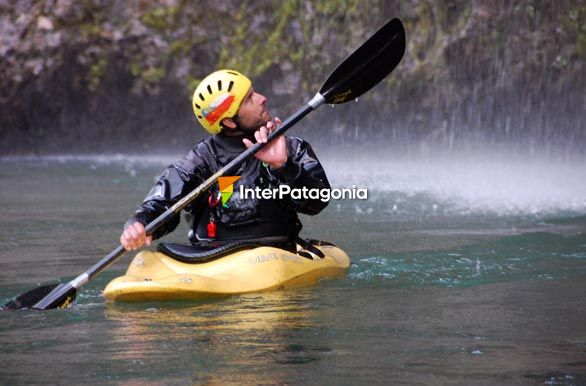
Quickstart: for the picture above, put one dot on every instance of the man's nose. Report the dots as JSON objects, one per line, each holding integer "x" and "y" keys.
{"x": 261, "y": 98}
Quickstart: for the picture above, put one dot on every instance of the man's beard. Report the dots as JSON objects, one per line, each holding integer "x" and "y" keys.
{"x": 251, "y": 129}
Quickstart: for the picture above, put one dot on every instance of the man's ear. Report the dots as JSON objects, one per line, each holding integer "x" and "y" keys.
{"x": 229, "y": 123}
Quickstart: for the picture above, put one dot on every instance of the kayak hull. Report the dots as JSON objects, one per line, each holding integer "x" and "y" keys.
{"x": 153, "y": 276}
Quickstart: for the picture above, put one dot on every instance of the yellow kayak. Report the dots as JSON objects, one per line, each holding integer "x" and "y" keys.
{"x": 156, "y": 276}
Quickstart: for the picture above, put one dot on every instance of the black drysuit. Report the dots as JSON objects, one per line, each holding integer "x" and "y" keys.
{"x": 249, "y": 218}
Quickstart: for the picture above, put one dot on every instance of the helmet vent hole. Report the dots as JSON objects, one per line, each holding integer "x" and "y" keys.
{"x": 219, "y": 85}
{"x": 200, "y": 117}
{"x": 210, "y": 89}
{"x": 197, "y": 106}
{"x": 230, "y": 85}
{"x": 202, "y": 98}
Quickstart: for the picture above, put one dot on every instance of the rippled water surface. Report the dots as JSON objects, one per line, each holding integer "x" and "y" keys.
{"x": 461, "y": 274}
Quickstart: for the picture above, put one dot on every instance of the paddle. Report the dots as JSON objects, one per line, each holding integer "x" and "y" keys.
{"x": 357, "y": 74}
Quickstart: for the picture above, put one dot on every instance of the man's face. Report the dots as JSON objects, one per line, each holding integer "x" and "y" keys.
{"x": 252, "y": 113}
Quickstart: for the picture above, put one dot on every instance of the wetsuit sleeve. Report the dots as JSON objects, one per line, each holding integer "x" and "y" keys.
{"x": 176, "y": 181}
{"x": 302, "y": 169}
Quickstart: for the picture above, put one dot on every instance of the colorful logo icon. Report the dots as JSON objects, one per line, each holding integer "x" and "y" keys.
{"x": 226, "y": 185}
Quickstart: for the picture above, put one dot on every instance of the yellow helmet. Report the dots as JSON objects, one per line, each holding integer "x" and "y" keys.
{"x": 219, "y": 96}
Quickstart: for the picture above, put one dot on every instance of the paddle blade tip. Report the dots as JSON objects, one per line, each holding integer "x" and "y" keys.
{"x": 27, "y": 300}
{"x": 43, "y": 298}
{"x": 376, "y": 58}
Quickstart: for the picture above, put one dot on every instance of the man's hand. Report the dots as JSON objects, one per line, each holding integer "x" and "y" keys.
{"x": 275, "y": 153}
{"x": 134, "y": 237}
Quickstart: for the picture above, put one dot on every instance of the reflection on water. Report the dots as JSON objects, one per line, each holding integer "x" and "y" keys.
{"x": 235, "y": 336}
{"x": 335, "y": 333}
{"x": 440, "y": 291}
{"x": 260, "y": 313}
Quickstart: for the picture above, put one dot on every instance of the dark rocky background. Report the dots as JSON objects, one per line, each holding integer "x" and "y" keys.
{"x": 117, "y": 76}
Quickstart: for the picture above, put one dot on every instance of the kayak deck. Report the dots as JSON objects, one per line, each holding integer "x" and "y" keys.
{"x": 153, "y": 276}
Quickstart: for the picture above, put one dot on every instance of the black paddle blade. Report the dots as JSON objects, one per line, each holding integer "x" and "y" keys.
{"x": 367, "y": 66}
{"x": 62, "y": 296}
{"x": 30, "y": 298}
{"x": 44, "y": 298}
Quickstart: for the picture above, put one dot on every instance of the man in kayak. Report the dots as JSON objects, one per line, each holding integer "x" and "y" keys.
{"x": 228, "y": 107}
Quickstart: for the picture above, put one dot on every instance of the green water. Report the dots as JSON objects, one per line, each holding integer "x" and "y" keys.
{"x": 472, "y": 277}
